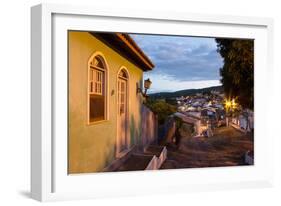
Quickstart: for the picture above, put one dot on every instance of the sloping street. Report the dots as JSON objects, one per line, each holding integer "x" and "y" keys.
{"x": 226, "y": 148}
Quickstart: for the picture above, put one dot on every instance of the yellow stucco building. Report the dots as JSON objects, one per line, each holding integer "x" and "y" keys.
{"x": 104, "y": 111}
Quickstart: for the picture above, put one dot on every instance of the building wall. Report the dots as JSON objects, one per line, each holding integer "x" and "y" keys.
{"x": 92, "y": 147}
{"x": 149, "y": 127}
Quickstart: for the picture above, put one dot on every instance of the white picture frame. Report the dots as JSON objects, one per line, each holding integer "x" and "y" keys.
{"x": 49, "y": 179}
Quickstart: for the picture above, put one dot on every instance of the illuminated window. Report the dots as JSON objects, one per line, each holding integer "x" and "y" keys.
{"x": 97, "y": 89}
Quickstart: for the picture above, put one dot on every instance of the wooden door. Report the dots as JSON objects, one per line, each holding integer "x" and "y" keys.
{"x": 122, "y": 110}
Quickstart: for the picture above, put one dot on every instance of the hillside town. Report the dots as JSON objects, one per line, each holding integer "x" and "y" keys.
{"x": 208, "y": 111}
{"x": 209, "y": 119}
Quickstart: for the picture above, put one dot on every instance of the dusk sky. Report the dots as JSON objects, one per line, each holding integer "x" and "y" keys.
{"x": 180, "y": 62}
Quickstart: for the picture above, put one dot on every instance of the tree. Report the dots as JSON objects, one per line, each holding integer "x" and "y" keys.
{"x": 161, "y": 108}
{"x": 238, "y": 70}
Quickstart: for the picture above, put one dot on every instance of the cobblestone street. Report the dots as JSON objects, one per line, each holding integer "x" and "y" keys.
{"x": 226, "y": 148}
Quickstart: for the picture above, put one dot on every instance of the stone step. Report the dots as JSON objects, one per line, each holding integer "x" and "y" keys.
{"x": 136, "y": 162}
{"x": 154, "y": 150}
{"x": 151, "y": 158}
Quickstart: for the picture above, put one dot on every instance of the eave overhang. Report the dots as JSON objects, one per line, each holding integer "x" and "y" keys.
{"x": 126, "y": 47}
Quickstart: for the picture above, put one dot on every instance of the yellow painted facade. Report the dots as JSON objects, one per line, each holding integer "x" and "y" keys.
{"x": 92, "y": 146}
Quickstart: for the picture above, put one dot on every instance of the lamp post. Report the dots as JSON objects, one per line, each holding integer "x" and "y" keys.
{"x": 147, "y": 84}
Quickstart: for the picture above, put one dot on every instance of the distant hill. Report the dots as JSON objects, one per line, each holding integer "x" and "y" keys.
{"x": 185, "y": 92}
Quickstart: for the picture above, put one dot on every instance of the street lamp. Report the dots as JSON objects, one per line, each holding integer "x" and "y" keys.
{"x": 233, "y": 104}
{"x": 147, "y": 84}
{"x": 230, "y": 106}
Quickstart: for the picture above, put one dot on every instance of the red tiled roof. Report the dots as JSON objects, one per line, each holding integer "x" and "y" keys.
{"x": 126, "y": 38}
{"x": 126, "y": 47}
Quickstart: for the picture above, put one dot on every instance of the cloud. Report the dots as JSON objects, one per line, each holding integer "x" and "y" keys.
{"x": 166, "y": 83}
{"x": 182, "y": 58}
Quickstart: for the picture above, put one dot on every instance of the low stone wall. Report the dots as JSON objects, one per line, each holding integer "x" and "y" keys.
{"x": 162, "y": 157}
{"x": 152, "y": 164}
{"x": 169, "y": 130}
{"x": 242, "y": 122}
{"x": 238, "y": 128}
{"x": 156, "y": 162}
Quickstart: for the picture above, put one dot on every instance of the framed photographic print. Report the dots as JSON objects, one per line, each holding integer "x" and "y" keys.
{"x": 137, "y": 102}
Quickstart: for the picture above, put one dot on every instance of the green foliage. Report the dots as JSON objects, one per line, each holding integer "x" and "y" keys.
{"x": 178, "y": 121}
{"x": 187, "y": 130}
{"x": 161, "y": 108}
{"x": 238, "y": 70}
{"x": 171, "y": 101}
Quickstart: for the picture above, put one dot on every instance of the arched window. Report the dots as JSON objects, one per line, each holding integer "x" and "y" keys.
{"x": 97, "y": 89}
{"x": 123, "y": 74}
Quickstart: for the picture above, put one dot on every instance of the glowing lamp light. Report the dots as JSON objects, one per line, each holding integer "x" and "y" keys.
{"x": 233, "y": 104}
{"x": 228, "y": 103}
